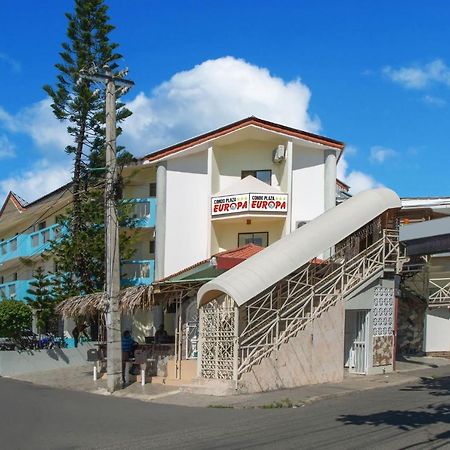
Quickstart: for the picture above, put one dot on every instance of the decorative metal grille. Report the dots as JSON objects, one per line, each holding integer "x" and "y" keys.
{"x": 383, "y": 311}
{"x": 217, "y": 337}
{"x": 280, "y": 313}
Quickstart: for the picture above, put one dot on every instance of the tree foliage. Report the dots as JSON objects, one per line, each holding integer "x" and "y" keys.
{"x": 70, "y": 279}
{"x": 41, "y": 300}
{"x": 15, "y": 317}
{"x": 79, "y": 253}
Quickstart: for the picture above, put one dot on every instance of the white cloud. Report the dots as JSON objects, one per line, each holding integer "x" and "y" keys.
{"x": 38, "y": 121}
{"x": 418, "y": 77}
{"x": 31, "y": 184}
{"x": 379, "y": 154}
{"x": 11, "y": 62}
{"x": 210, "y": 95}
{"x": 358, "y": 181}
{"x": 7, "y": 148}
{"x": 434, "y": 101}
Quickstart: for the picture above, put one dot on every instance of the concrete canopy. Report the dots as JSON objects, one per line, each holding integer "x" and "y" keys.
{"x": 275, "y": 262}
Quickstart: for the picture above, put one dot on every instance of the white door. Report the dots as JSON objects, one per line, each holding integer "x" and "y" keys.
{"x": 358, "y": 362}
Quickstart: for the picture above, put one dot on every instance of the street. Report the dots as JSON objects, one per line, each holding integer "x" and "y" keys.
{"x": 415, "y": 416}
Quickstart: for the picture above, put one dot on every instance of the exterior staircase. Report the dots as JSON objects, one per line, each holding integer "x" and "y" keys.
{"x": 294, "y": 303}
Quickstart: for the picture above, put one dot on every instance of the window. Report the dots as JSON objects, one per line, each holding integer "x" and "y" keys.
{"x": 262, "y": 175}
{"x": 261, "y": 239}
{"x": 14, "y": 276}
{"x": 152, "y": 248}
{"x": 152, "y": 190}
{"x": 42, "y": 225}
{"x": 2, "y": 279}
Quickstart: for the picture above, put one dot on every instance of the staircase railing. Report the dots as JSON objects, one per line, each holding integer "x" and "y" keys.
{"x": 272, "y": 318}
{"x": 439, "y": 292}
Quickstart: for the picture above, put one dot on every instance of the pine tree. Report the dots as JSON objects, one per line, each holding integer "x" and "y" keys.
{"x": 41, "y": 300}
{"x": 82, "y": 105}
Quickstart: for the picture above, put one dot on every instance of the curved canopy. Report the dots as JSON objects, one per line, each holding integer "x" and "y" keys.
{"x": 275, "y": 262}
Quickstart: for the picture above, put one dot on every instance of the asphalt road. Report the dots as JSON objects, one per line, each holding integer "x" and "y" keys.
{"x": 407, "y": 417}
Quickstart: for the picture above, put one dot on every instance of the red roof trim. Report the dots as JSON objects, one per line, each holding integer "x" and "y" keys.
{"x": 16, "y": 202}
{"x": 342, "y": 185}
{"x": 235, "y": 253}
{"x": 238, "y": 125}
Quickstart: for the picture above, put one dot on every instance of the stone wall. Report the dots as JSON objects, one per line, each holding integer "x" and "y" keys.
{"x": 410, "y": 324}
{"x": 314, "y": 356}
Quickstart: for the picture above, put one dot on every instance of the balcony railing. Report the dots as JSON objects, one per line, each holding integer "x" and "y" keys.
{"x": 15, "y": 289}
{"x": 136, "y": 272}
{"x": 143, "y": 211}
{"x": 26, "y": 245}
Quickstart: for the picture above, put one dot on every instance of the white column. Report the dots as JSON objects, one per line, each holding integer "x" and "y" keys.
{"x": 329, "y": 179}
{"x": 160, "y": 238}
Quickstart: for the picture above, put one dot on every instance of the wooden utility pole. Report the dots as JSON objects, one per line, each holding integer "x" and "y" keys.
{"x": 113, "y": 319}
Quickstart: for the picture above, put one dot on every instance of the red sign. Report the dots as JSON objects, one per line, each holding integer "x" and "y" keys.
{"x": 233, "y": 204}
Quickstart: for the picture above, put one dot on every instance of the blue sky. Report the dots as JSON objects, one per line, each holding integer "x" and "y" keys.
{"x": 373, "y": 74}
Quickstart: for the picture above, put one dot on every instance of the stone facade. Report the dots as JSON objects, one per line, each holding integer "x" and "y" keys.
{"x": 383, "y": 347}
{"x": 314, "y": 356}
{"x": 410, "y": 325}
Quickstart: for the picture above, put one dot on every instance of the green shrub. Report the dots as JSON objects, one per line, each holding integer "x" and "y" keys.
{"x": 15, "y": 316}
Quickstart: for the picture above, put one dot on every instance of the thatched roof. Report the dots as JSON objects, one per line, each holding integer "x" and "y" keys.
{"x": 138, "y": 297}
{"x": 131, "y": 299}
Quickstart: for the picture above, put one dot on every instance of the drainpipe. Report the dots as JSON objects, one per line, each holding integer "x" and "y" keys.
{"x": 160, "y": 237}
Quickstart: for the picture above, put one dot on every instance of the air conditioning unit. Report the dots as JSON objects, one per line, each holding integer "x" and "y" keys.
{"x": 279, "y": 154}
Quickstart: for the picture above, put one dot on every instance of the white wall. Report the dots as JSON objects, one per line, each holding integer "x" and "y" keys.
{"x": 437, "y": 330}
{"x": 307, "y": 184}
{"x": 232, "y": 159}
{"x": 186, "y": 212}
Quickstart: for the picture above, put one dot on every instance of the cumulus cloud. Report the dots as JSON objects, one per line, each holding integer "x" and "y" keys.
{"x": 358, "y": 181}
{"x": 7, "y": 148}
{"x": 210, "y": 95}
{"x": 379, "y": 154}
{"x": 38, "y": 121}
{"x": 42, "y": 178}
{"x": 419, "y": 77}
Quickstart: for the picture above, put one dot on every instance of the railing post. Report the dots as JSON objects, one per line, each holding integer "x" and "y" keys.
{"x": 236, "y": 346}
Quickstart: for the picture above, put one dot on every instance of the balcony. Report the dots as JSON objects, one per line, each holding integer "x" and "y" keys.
{"x": 135, "y": 272}
{"x": 27, "y": 245}
{"x": 15, "y": 289}
{"x": 143, "y": 211}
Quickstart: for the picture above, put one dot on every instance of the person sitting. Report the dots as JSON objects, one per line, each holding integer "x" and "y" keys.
{"x": 161, "y": 336}
{"x": 128, "y": 346}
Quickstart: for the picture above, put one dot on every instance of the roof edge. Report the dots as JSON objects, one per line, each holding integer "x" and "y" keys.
{"x": 252, "y": 120}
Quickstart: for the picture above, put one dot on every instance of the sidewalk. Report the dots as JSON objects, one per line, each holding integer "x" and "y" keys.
{"x": 410, "y": 370}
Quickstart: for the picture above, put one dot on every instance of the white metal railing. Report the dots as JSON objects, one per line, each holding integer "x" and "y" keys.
{"x": 439, "y": 292}
{"x": 280, "y": 313}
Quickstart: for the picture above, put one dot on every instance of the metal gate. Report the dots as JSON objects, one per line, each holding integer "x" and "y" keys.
{"x": 359, "y": 346}
{"x": 217, "y": 338}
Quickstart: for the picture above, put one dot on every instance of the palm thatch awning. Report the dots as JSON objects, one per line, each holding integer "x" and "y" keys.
{"x": 130, "y": 300}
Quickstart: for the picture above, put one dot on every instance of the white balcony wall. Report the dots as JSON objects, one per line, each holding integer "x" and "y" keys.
{"x": 187, "y": 208}
{"x": 307, "y": 184}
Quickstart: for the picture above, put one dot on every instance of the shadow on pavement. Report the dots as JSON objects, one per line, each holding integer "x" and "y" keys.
{"x": 412, "y": 419}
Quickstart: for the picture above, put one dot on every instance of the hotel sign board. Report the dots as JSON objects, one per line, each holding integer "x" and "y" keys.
{"x": 245, "y": 203}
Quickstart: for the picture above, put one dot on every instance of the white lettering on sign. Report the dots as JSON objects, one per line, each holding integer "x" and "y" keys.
{"x": 232, "y": 204}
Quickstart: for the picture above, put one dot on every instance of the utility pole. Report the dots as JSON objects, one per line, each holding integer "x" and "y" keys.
{"x": 113, "y": 319}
